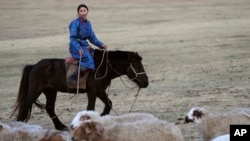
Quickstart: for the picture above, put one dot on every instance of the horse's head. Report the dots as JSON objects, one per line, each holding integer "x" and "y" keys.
{"x": 123, "y": 63}
{"x": 136, "y": 71}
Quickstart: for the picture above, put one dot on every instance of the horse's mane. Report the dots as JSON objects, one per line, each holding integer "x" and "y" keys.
{"x": 118, "y": 54}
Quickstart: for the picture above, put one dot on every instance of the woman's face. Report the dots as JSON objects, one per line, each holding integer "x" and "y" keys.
{"x": 83, "y": 13}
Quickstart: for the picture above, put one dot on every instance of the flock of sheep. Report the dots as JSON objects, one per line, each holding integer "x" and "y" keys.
{"x": 90, "y": 126}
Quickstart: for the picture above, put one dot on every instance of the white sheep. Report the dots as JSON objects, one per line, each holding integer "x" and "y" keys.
{"x": 222, "y": 138}
{"x": 109, "y": 119}
{"x": 19, "y": 131}
{"x": 141, "y": 130}
{"x": 82, "y": 116}
{"x": 211, "y": 126}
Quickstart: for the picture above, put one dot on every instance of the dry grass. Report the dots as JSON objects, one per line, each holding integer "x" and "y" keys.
{"x": 195, "y": 53}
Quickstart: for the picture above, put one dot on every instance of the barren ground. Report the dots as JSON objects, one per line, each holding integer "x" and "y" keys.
{"x": 195, "y": 52}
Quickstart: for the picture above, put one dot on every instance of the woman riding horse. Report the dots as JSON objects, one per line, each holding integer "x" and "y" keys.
{"x": 80, "y": 30}
{"x": 48, "y": 76}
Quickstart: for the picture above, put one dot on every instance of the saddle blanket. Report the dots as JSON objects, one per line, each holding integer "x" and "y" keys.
{"x": 71, "y": 66}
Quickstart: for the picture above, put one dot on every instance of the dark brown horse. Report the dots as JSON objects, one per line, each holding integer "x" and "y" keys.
{"x": 49, "y": 76}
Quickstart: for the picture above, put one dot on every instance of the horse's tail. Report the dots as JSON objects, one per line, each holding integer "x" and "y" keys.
{"x": 40, "y": 105}
{"x": 20, "y": 105}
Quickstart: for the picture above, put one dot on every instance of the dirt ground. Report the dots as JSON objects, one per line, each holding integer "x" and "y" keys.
{"x": 195, "y": 52}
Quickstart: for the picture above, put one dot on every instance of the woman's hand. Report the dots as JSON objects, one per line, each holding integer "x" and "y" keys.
{"x": 81, "y": 52}
{"x": 104, "y": 46}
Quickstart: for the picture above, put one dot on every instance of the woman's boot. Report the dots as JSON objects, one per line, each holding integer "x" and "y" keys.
{"x": 74, "y": 76}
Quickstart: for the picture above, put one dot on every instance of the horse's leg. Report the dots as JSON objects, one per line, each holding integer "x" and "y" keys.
{"x": 108, "y": 103}
{"x": 91, "y": 100}
{"x": 50, "y": 108}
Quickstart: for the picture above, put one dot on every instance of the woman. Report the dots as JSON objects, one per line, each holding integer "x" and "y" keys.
{"x": 80, "y": 31}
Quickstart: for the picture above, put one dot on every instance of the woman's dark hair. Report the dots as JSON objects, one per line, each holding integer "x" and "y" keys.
{"x": 82, "y": 5}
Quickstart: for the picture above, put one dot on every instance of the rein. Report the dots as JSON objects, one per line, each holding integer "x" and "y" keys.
{"x": 117, "y": 72}
{"x": 134, "y": 100}
{"x": 120, "y": 75}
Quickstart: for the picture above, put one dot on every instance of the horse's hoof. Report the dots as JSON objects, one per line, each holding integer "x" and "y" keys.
{"x": 63, "y": 128}
{"x": 66, "y": 129}
{"x": 103, "y": 114}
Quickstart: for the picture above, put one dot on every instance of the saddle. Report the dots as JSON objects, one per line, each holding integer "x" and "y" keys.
{"x": 71, "y": 66}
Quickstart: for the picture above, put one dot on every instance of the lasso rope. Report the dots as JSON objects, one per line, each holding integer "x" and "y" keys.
{"x": 105, "y": 74}
{"x": 120, "y": 75}
{"x": 78, "y": 78}
{"x": 98, "y": 68}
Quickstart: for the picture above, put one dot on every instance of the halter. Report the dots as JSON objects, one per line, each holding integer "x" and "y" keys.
{"x": 136, "y": 73}
{"x": 109, "y": 64}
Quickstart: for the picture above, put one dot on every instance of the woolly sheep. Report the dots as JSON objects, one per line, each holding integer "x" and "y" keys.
{"x": 141, "y": 130}
{"x": 222, "y": 138}
{"x": 109, "y": 119}
{"x": 19, "y": 131}
{"x": 212, "y": 126}
{"x": 82, "y": 116}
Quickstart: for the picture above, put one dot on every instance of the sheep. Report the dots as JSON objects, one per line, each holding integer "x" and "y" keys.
{"x": 82, "y": 116}
{"x": 19, "y": 131}
{"x": 211, "y": 126}
{"x": 222, "y": 138}
{"x": 109, "y": 119}
{"x": 56, "y": 136}
{"x": 140, "y": 130}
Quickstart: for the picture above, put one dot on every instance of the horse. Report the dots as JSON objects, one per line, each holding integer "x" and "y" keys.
{"x": 48, "y": 76}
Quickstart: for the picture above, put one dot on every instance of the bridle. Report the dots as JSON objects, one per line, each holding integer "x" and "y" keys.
{"x": 136, "y": 73}
{"x": 117, "y": 72}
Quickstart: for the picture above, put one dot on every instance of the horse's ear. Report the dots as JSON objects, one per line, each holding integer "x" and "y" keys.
{"x": 136, "y": 53}
{"x": 134, "y": 56}
{"x": 198, "y": 113}
{"x": 137, "y": 56}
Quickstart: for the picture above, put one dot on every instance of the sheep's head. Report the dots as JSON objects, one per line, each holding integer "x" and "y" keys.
{"x": 82, "y": 116}
{"x": 89, "y": 131}
{"x": 195, "y": 114}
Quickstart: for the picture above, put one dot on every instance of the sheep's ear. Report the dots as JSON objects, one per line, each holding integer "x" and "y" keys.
{"x": 198, "y": 113}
